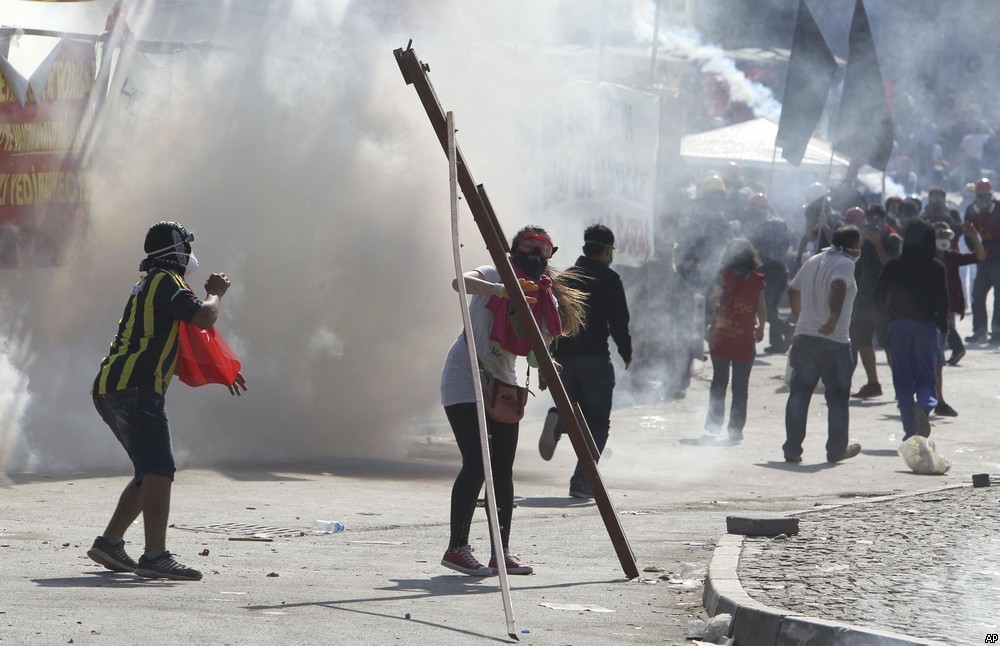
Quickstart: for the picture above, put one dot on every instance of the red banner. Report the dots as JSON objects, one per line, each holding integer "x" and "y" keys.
{"x": 44, "y": 191}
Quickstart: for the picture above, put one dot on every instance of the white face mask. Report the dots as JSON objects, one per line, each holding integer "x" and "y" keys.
{"x": 191, "y": 265}
{"x": 853, "y": 254}
{"x": 944, "y": 244}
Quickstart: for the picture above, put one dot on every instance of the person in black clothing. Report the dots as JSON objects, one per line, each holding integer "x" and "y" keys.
{"x": 912, "y": 291}
{"x": 587, "y": 373}
{"x": 879, "y": 244}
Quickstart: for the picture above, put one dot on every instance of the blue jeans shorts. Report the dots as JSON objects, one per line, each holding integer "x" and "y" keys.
{"x": 139, "y": 421}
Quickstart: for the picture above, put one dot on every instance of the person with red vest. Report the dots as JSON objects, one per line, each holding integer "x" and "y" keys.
{"x": 737, "y": 300}
{"x": 984, "y": 214}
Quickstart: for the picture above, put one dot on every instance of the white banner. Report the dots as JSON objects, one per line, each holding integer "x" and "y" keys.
{"x": 594, "y": 153}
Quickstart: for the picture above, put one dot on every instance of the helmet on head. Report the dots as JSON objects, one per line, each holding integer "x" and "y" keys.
{"x": 167, "y": 244}
{"x": 758, "y": 201}
{"x": 710, "y": 184}
{"x": 983, "y": 186}
{"x": 816, "y": 191}
{"x": 855, "y": 215}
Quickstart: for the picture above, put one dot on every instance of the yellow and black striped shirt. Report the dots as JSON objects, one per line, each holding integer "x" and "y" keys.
{"x": 144, "y": 352}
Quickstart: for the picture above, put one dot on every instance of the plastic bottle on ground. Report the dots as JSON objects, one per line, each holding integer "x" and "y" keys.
{"x": 329, "y": 526}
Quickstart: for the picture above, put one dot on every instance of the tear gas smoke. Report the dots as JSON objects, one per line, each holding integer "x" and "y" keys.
{"x": 686, "y": 43}
{"x": 311, "y": 176}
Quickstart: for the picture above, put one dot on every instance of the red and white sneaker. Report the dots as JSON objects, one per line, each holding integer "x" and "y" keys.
{"x": 513, "y": 565}
{"x": 461, "y": 560}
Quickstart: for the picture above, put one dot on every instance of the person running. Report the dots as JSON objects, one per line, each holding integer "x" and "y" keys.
{"x": 737, "y": 300}
{"x": 129, "y": 391}
{"x": 587, "y": 373}
{"x": 558, "y": 309}
{"x": 913, "y": 292}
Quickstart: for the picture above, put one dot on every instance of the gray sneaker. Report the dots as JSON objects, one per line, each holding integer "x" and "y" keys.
{"x": 852, "y": 450}
{"x": 548, "y": 440}
{"x": 580, "y": 490}
{"x": 111, "y": 556}
{"x": 165, "y": 567}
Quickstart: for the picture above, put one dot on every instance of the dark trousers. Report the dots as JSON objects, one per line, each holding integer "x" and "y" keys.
{"x": 775, "y": 284}
{"x": 987, "y": 278}
{"x": 717, "y": 394}
{"x": 954, "y": 340}
{"x": 813, "y": 359}
{"x": 590, "y": 381}
{"x": 464, "y": 421}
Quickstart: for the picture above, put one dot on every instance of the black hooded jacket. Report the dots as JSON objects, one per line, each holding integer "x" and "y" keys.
{"x": 606, "y": 313}
{"x": 914, "y": 286}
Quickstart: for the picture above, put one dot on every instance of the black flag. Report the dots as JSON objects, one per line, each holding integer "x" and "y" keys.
{"x": 811, "y": 68}
{"x": 864, "y": 121}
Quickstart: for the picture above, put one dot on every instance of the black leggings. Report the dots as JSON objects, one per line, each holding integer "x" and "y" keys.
{"x": 464, "y": 493}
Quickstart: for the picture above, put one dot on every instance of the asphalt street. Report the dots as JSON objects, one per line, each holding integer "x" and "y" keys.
{"x": 380, "y": 581}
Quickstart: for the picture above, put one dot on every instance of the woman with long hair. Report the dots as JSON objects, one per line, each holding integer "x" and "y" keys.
{"x": 558, "y": 310}
{"x": 736, "y": 300}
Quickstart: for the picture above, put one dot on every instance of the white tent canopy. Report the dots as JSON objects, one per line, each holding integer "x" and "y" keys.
{"x": 751, "y": 144}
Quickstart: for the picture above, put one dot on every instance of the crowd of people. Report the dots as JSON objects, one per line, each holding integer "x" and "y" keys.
{"x": 863, "y": 274}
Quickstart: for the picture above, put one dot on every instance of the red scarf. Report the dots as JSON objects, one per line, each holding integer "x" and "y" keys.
{"x": 544, "y": 309}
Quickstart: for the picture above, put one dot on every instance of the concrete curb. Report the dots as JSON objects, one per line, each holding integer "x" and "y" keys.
{"x": 756, "y": 624}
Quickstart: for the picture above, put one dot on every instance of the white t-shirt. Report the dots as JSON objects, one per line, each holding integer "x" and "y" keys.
{"x": 813, "y": 283}
{"x": 456, "y": 377}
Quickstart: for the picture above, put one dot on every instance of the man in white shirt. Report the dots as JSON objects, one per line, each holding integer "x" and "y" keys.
{"x": 821, "y": 297}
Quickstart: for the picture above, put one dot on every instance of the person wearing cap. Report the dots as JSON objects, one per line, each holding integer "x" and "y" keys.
{"x": 880, "y": 243}
{"x": 984, "y": 214}
{"x": 129, "y": 391}
{"x": 587, "y": 372}
{"x": 952, "y": 260}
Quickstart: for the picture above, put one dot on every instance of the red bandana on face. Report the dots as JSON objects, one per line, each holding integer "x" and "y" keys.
{"x": 532, "y": 244}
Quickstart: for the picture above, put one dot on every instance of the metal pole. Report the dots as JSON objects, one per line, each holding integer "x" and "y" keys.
{"x": 656, "y": 41}
{"x": 470, "y": 340}
{"x": 415, "y": 73}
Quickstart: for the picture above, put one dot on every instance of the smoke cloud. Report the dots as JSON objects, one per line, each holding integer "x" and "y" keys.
{"x": 310, "y": 175}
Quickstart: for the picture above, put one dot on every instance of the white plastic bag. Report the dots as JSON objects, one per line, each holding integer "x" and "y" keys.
{"x": 919, "y": 454}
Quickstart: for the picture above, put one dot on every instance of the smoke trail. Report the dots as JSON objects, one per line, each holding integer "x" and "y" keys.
{"x": 686, "y": 43}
